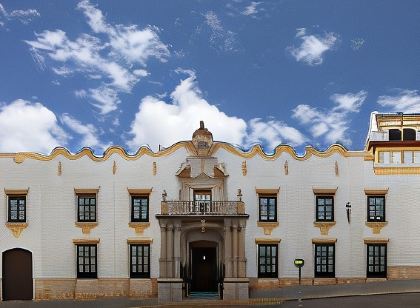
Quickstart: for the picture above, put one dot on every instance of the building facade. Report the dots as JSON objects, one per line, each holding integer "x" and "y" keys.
{"x": 204, "y": 216}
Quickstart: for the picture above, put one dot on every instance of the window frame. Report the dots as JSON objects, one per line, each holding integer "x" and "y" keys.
{"x": 268, "y": 274}
{"x": 321, "y": 274}
{"x": 317, "y": 219}
{"x": 9, "y": 211}
{"x": 90, "y": 196}
{"x": 90, "y": 274}
{"x": 138, "y": 263}
{"x": 141, "y": 197}
{"x": 377, "y": 274}
{"x": 268, "y": 197}
{"x": 383, "y": 219}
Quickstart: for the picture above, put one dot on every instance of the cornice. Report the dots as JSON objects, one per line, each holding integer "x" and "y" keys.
{"x": 310, "y": 151}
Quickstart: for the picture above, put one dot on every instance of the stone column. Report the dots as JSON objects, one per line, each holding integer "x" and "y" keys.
{"x": 177, "y": 249}
{"x": 169, "y": 251}
{"x": 235, "y": 249}
{"x": 228, "y": 249}
{"x": 242, "y": 259}
{"x": 162, "y": 260}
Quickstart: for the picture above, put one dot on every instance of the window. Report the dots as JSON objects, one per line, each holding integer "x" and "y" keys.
{"x": 409, "y": 134}
{"x": 202, "y": 201}
{"x": 268, "y": 208}
{"x": 324, "y": 260}
{"x": 394, "y": 135}
{"x": 86, "y": 261}
{"x": 267, "y": 261}
{"x": 324, "y": 208}
{"x": 376, "y": 208}
{"x": 17, "y": 209}
{"x": 140, "y": 261}
{"x": 86, "y": 208}
{"x": 139, "y": 208}
{"x": 376, "y": 260}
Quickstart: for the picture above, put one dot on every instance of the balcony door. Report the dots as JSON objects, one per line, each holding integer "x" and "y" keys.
{"x": 202, "y": 201}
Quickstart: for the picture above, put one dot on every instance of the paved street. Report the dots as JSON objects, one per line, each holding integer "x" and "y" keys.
{"x": 411, "y": 300}
{"x": 375, "y": 301}
{"x": 403, "y": 293}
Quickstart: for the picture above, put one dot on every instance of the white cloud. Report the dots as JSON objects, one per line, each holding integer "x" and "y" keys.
{"x": 272, "y": 133}
{"x": 26, "y": 126}
{"x": 159, "y": 122}
{"x": 88, "y": 132}
{"x": 80, "y": 93}
{"x": 117, "y": 60}
{"x": 357, "y": 43}
{"x": 407, "y": 101}
{"x": 333, "y": 125}
{"x": 105, "y": 99}
{"x": 313, "y": 47}
{"x": 132, "y": 44}
{"x": 220, "y": 38}
{"x": 24, "y": 16}
{"x": 251, "y": 9}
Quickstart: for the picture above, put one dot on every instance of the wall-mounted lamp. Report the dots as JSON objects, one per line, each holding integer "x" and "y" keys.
{"x": 348, "y": 210}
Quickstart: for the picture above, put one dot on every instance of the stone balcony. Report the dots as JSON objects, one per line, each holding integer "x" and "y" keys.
{"x": 203, "y": 208}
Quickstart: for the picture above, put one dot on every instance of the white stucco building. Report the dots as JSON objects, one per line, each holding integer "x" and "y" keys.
{"x": 203, "y": 216}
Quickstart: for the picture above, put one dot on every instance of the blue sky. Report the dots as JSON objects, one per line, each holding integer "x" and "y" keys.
{"x": 130, "y": 73}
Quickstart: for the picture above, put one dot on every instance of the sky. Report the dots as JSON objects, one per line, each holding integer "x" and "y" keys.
{"x": 132, "y": 73}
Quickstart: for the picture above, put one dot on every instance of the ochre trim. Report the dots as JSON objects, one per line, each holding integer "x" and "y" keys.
{"x": 139, "y": 191}
{"x": 324, "y": 191}
{"x": 267, "y": 226}
{"x": 139, "y": 227}
{"x": 376, "y": 191}
{"x": 16, "y": 227}
{"x": 139, "y": 240}
{"x": 376, "y": 240}
{"x": 86, "y": 190}
{"x": 86, "y": 241}
{"x": 19, "y": 192}
{"x": 262, "y": 240}
{"x": 309, "y": 151}
{"x": 267, "y": 191}
{"x": 86, "y": 226}
{"x": 21, "y": 156}
{"x": 188, "y": 145}
{"x": 396, "y": 170}
{"x": 324, "y": 226}
{"x": 376, "y": 226}
{"x": 329, "y": 240}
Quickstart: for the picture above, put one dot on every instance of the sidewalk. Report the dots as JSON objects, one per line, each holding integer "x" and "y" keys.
{"x": 314, "y": 292}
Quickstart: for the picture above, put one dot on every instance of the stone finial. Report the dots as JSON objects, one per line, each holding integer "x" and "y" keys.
{"x": 164, "y": 195}
{"x": 239, "y": 195}
{"x": 201, "y": 124}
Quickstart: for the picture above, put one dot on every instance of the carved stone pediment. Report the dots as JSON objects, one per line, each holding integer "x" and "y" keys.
{"x": 219, "y": 171}
{"x": 184, "y": 171}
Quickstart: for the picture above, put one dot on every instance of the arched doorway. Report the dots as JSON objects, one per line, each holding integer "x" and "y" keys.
{"x": 17, "y": 275}
{"x": 204, "y": 269}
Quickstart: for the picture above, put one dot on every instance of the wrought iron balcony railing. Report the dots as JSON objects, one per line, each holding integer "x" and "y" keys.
{"x": 202, "y": 208}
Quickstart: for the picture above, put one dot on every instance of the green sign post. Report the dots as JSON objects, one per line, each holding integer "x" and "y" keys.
{"x": 299, "y": 263}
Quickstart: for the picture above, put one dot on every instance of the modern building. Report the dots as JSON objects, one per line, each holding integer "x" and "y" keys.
{"x": 203, "y": 215}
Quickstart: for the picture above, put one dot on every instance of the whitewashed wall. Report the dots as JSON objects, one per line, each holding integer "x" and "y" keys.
{"x": 51, "y": 209}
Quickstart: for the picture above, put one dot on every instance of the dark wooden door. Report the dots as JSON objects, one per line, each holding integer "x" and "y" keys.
{"x": 204, "y": 269}
{"x": 17, "y": 274}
